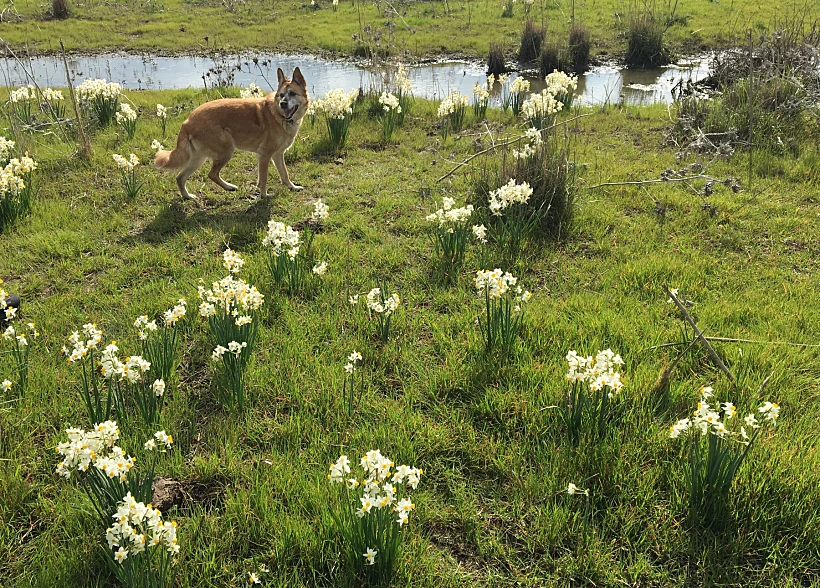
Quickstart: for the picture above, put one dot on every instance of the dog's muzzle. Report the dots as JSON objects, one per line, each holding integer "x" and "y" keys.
{"x": 289, "y": 112}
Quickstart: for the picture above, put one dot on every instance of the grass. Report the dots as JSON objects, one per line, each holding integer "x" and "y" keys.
{"x": 425, "y": 28}
{"x": 492, "y": 508}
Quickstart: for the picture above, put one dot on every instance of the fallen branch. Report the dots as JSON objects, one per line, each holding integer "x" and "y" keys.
{"x": 654, "y": 181}
{"x": 699, "y": 335}
{"x": 504, "y": 144}
{"x": 734, "y": 340}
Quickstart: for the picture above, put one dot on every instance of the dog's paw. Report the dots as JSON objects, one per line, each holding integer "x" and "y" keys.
{"x": 230, "y": 187}
{"x": 296, "y": 187}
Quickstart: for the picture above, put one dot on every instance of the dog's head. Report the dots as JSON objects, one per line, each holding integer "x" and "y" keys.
{"x": 291, "y": 96}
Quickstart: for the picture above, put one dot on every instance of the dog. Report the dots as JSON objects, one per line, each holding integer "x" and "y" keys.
{"x": 266, "y": 126}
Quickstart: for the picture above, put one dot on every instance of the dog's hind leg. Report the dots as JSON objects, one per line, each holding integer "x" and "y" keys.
{"x": 221, "y": 150}
{"x": 216, "y": 168}
{"x": 194, "y": 163}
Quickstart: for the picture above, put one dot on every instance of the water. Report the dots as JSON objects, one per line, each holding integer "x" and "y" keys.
{"x": 601, "y": 84}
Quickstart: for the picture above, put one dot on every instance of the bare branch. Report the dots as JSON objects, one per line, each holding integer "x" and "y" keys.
{"x": 699, "y": 335}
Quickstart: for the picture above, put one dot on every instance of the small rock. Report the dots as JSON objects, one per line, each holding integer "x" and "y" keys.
{"x": 167, "y": 493}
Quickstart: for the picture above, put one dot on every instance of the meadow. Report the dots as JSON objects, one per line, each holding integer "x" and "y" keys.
{"x": 402, "y": 29}
{"x": 492, "y": 507}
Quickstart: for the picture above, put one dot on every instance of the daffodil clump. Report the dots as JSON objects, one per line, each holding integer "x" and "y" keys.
{"x": 353, "y": 380}
{"x": 127, "y": 119}
{"x": 383, "y": 305}
{"x": 83, "y": 349}
{"x": 518, "y": 90}
{"x": 6, "y": 150}
{"x": 504, "y": 85}
{"x": 403, "y": 90}
{"x": 504, "y": 303}
{"x": 391, "y": 114}
{"x": 231, "y": 307}
{"x": 162, "y": 115}
{"x": 451, "y": 113}
{"x": 16, "y": 187}
{"x": 717, "y": 440}
{"x": 159, "y": 339}
{"x": 588, "y": 408}
{"x": 514, "y": 220}
{"x": 21, "y": 101}
{"x": 55, "y": 102}
{"x": 451, "y": 229}
{"x": 481, "y": 98}
{"x": 100, "y": 98}
{"x": 252, "y": 91}
{"x": 530, "y": 148}
{"x": 19, "y": 339}
{"x": 508, "y": 9}
{"x": 562, "y": 87}
{"x": 337, "y": 108}
{"x": 105, "y": 471}
{"x": 291, "y": 261}
{"x": 540, "y": 110}
{"x": 131, "y": 183}
{"x": 141, "y": 546}
{"x": 130, "y": 386}
{"x": 372, "y": 512}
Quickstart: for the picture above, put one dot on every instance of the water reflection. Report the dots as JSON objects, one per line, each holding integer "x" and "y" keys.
{"x": 601, "y": 84}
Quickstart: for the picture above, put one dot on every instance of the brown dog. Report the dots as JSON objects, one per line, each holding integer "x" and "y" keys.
{"x": 265, "y": 126}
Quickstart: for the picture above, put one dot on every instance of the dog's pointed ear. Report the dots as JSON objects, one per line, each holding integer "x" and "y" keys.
{"x": 299, "y": 78}
{"x": 281, "y": 75}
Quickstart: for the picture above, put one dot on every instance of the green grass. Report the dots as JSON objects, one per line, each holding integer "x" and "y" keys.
{"x": 492, "y": 508}
{"x": 424, "y": 29}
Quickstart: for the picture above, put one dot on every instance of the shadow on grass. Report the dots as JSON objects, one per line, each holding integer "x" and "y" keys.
{"x": 240, "y": 221}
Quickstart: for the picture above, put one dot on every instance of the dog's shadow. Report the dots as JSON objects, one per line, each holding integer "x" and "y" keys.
{"x": 239, "y": 217}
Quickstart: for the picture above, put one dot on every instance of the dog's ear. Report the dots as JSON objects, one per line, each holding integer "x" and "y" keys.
{"x": 299, "y": 78}
{"x": 281, "y": 75}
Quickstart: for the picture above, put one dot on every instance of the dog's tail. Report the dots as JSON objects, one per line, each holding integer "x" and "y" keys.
{"x": 177, "y": 158}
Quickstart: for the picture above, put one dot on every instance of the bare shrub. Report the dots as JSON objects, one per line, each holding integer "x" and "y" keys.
{"x": 532, "y": 37}
{"x": 495, "y": 59}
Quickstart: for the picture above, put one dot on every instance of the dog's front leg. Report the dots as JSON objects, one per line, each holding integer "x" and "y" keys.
{"x": 279, "y": 161}
{"x": 264, "y": 164}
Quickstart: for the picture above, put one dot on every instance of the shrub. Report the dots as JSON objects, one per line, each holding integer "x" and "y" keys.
{"x": 554, "y": 56}
{"x": 495, "y": 60}
{"x": 544, "y": 165}
{"x": 59, "y": 9}
{"x": 645, "y": 40}
{"x": 532, "y": 37}
{"x": 579, "y": 46}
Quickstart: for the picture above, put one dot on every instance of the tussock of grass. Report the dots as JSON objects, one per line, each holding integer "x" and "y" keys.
{"x": 493, "y": 498}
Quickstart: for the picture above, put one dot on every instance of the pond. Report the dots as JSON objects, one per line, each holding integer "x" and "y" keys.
{"x": 433, "y": 80}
